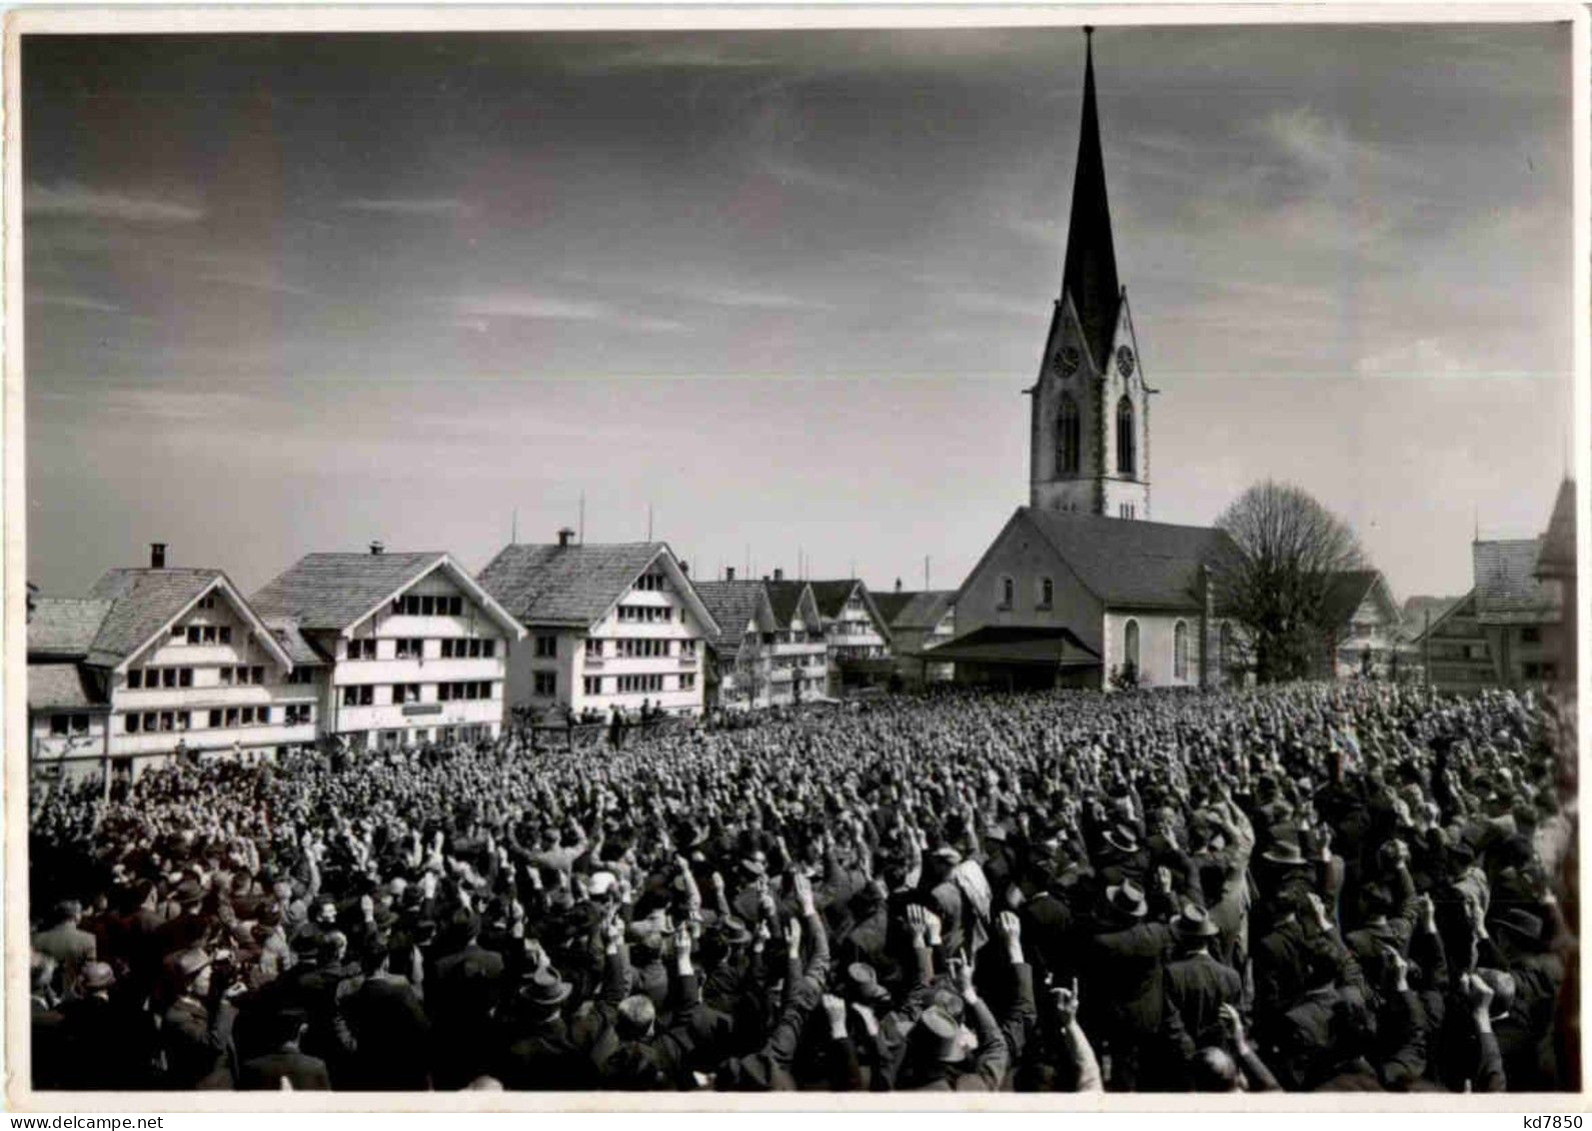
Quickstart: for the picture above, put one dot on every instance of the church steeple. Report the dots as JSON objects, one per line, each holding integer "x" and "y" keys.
{"x": 1090, "y": 271}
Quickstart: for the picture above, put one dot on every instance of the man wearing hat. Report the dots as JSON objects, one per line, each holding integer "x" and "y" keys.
{"x": 1197, "y": 985}
{"x": 541, "y": 1057}
{"x": 70, "y": 947}
{"x": 386, "y": 1024}
{"x": 196, "y": 1031}
{"x": 107, "y": 1043}
{"x": 945, "y": 1056}
{"x": 1125, "y": 953}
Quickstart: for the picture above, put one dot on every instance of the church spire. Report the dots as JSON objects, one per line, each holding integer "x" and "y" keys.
{"x": 1090, "y": 271}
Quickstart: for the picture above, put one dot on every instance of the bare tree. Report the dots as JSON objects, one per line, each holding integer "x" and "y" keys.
{"x": 1273, "y": 577}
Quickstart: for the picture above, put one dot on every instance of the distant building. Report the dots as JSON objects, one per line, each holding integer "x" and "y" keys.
{"x": 739, "y": 663}
{"x": 919, "y": 620}
{"x": 1516, "y": 627}
{"x": 154, "y": 663}
{"x": 1077, "y": 600}
{"x": 800, "y": 647}
{"x": 1556, "y": 573}
{"x": 611, "y": 625}
{"x": 413, "y": 649}
{"x": 1364, "y": 627}
{"x": 856, "y": 634}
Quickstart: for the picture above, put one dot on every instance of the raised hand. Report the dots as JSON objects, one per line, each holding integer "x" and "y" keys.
{"x": 1065, "y": 999}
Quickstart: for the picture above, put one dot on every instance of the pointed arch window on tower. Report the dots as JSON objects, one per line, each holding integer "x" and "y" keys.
{"x": 1125, "y": 438}
{"x": 1130, "y": 646}
{"x": 1180, "y": 651}
{"x": 1069, "y": 436}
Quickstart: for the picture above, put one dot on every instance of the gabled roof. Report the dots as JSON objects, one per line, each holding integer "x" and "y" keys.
{"x": 831, "y": 597}
{"x": 1557, "y": 558}
{"x": 299, "y": 647}
{"x": 785, "y": 598}
{"x": 577, "y": 585}
{"x": 58, "y": 686}
{"x": 1126, "y": 563}
{"x": 145, "y": 602}
{"x": 1348, "y": 590}
{"x": 734, "y": 605}
{"x": 1507, "y": 589}
{"x": 334, "y": 592}
{"x": 915, "y": 609}
{"x": 65, "y": 627}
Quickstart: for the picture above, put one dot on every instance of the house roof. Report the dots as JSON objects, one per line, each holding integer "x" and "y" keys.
{"x": 65, "y": 627}
{"x": 332, "y": 592}
{"x": 734, "y": 605}
{"x": 915, "y": 609}
{"x": 831, "y": 596}
{"x": 143, "y": 601}
{"x": 1557, "y": 558}
{"x": 785, "y": 598}
{"x": 1348, "y": 590}
{"x": 577, "y": 584}
{"x": 1507, "y": 589}
{"x": 61, "y": 685}
{"x": 1130, "y": 563}
{"x": 1016, "y": 644}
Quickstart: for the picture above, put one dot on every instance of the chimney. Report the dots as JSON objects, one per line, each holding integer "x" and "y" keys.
{"x": 779, "y": 575}
{"x": 157, "y": 555}
{"x": 898, "y": 585}
{"x": 729, "y": 573}
{"x": 685, "y": 568}
{"x": 376, "y": 548}
{"x": 565, "y": 534}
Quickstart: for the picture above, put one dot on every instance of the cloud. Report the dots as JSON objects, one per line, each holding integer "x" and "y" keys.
{"x": 791, "y": 174}
{"x": 440, "y": 207}
{"x": 71, "y": 302}
{"x": 1424, "y": 357}
{"x": 476, "y": 312}
{"x": 76, "y": 201}
{"x": 739, "y": 298}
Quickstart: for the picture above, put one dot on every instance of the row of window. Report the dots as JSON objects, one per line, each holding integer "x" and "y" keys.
{"x": 231, "y": 675}
{"x": 1044, "y": 596}
{"x": 646, "y": 614}
{"x": 68, "y": 724}
{"x": 652, "y": 583}
{"x": 202, "y": 634}
{"x": 414, "y": 648}
{"x": 415, "y": 605}
{"x": 617, "y": 685}
{"x": 364, "y": 694}
{"x": 151, "y": 722}
{"x": 1130, "y": 646}
{"x": 633, "y": 647}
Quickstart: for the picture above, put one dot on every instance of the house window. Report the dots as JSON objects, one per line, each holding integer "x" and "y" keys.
{"x": 224, "y": 633}
{"x": 546, "y": 683}
{"x": 688, "y": 681}
{"x": 1130, "y": 645}
{"x": 131, "y": 723}
{"x": 1127, "y": 510}
{"x": 215, "y": 718}
{"x": 593, "y": 684}
{"x": 1008, "y": 588}
{"x": 135, "y": 679}
{"x": 210, "y": 634}
{"x": 1047, "y": 592}
{"x": 688, "y": 649}
{"x": 1125, "y": 445}
{"x": 406, "y": 693}
{"x": 195, "y": 634}
{"x": 1069, "y": 435}
{"x": 1531, "y": 634}
{"x": 594, "y": 648}
{"x": 546, "y": 647}
{"x": 58, "y": 724}
{"x": 1180, "y": 651}
{"x": 488, "y": 649}
{"x": 411, "y": 648}
{"x": 178, "y": 634}
{"x": 226, "y": 676}
{"x": 359, "y": 695}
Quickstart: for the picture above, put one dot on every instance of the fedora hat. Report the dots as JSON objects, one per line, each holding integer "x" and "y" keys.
{"x": 1122, "y": 839}
{"x": 944, "y": 1034}
{"x": 545, "y": 988}
{"x": 1127, "y": 897}
{"x": 864, "y": 982}
{"x": 734, "y": 931}
{"x": 98, "y": 976}
{"x": 1284, "y": 848}
{"x": 1192, "y": 922}
{"x": 1520, "y": 923}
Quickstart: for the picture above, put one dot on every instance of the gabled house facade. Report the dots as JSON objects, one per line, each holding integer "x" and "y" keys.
{"x": 857, "y": 636}
{"x": 1078, "y": 600}
{"x": 414, "y": 650}
{"x": 1364, "y": 635}
{"x": 156, "y": 663}
{"x": 800, "y": 647}
{"x": 611, "y": 625}
{"x": 739, "y": 659}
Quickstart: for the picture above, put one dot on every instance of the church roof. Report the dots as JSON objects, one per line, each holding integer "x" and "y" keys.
{"x": 1089, "y": 273}
{"x": 1129, "y": 563}
{"x": 1558, "y": 543}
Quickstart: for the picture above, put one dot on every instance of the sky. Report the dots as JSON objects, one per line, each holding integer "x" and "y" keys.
{"x": 783, "y": 290}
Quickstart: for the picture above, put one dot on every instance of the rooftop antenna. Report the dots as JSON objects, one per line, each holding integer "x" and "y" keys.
{"x": 925, "y": 571}
{"x": 581, "y": 537}
{"x": 649, "y": 522}
{"x": 748, "y": 561}
{"x": 514, "y": 527}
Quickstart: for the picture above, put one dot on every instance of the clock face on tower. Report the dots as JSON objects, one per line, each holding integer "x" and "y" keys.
{"x": 1066, "y": 361}
{"x": 1125, "y": 360}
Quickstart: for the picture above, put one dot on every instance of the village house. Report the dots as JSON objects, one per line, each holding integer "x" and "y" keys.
{"x": 611, "y": 625}
{"x": 415, "y": 650}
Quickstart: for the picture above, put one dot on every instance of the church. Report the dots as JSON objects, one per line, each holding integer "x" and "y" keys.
{"x": 1080, "y": 588}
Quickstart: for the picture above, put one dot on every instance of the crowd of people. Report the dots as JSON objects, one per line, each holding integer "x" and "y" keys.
{"x": 1303, "y": 887}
